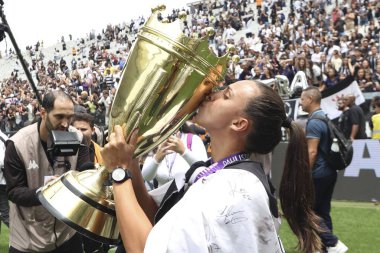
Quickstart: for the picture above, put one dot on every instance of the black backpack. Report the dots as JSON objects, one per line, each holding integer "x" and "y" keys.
{"x": 337, "y": 160}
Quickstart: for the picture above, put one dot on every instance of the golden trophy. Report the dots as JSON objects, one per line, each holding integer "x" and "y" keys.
{"x": 166, "y": 77}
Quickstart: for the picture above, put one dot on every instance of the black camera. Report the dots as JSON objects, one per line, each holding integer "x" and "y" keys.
{"x": 64, "y": 143}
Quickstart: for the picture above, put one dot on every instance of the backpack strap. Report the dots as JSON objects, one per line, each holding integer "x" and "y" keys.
{"x": 173, "y": 194}
{"x": 326, "y": 120}
{"x": 2, "y": 139}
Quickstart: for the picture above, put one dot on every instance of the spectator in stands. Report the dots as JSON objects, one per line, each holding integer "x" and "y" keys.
{"x": 375, "y": 121}
{"x": 303, "y": 65}
{"x": 376, "y": 77}
{"x": 316, "y": 56}
{"x": 366, "y": 66}
{"x": 267, "y": 73}
{"x": 367, "y": 85}
{"x": 360, "y": 76}
{"x": 305, "y": 32}
{"x": 336, "y": 60}
{"x": 331, "y": 80}
{"x": 106, "y": 101}
{"x": 374, "y": 58}
{"x": 345, "y": 69}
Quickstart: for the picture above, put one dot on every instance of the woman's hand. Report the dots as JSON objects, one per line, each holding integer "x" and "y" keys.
{"x": 118, "y": 152}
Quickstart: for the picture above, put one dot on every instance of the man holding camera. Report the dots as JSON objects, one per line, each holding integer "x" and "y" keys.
{"x": 29, "y": 164}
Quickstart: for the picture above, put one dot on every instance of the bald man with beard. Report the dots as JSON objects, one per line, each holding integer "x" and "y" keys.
{"x": 355, "y": 119}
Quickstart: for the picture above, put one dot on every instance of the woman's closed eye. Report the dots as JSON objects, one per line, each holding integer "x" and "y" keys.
{"x": 226, "y": 94}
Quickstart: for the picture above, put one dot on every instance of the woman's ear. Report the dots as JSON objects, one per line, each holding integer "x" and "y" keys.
{"x": 240, "y": 124}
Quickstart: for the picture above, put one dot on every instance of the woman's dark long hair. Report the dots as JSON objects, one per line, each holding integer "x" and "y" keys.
{"x": 267, "y": 112}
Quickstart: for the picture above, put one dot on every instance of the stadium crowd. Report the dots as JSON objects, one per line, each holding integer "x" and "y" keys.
{"x": 327, "y": 41}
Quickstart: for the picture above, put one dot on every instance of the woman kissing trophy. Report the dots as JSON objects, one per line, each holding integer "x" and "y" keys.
{"x": 166, "y": 77}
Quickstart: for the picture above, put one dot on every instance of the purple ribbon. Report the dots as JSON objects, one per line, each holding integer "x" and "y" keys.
{"x": 221, "y": 164}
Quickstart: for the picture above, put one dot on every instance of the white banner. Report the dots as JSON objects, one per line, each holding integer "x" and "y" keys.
{"x": 329, "y": 104}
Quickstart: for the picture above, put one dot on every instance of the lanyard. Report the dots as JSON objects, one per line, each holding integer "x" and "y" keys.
{"x": 170, "y": 159}
{"x": 221, "y": 164}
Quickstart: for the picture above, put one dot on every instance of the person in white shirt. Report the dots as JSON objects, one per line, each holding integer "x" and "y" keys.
{"x": 106, "y": 100}
{"x": 344, "y": 45}
{"x": 174, "y": 157}
{"x": 225, "y": 210}
{"x": 310, "y": 43}
{"x": 229, "y": 33}
{"x": 331, "y": 50}
{"x": 336, "y": 60}
{"x": 30, "y": 109}
{"x": 316, "y": 56}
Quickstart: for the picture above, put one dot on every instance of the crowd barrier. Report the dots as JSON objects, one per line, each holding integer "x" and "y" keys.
{"x": 360, "y": 181}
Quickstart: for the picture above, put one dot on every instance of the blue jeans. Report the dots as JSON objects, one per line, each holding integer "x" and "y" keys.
{"x": 324, "y": 188}
{"x": 4, "y": 205}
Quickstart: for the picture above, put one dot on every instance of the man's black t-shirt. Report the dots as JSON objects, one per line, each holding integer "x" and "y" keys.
{"x": 344, "y": 125}
{"x": 356, "y": 117}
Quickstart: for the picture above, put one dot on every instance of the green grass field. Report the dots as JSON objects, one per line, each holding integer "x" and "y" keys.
{"x": 356, "y": 224}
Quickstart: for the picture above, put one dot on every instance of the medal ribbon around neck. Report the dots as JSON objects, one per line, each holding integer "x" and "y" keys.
{"x": 221, "y": 164}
